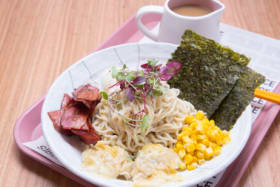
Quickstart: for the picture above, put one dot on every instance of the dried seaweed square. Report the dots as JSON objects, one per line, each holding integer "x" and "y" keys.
{"x": 209, "y": 71}
{"x": 238, "y": 99}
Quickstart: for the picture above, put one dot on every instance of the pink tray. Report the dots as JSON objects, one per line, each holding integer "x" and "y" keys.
{"x": 28, "y": 127}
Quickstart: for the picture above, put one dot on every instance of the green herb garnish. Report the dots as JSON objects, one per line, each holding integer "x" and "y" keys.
{"x": 104, "y": 95}
{"x": 144, "y": 82}
{"x": 145, "y": 123}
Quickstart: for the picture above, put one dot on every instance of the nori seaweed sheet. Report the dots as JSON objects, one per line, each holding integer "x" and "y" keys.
{"x": 208, "y": 73}
{"x": 235, "y": 103}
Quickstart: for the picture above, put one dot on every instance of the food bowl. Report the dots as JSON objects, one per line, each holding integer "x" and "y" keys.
{"x": 88, "y": 70}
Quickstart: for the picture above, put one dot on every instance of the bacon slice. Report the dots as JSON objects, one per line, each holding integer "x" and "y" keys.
{"x": 87, "y": 137}
{"x": 74, "y": 116}
{"x": 66, "y": 101}
{"x": 87, "y": 93}
{"x": 92, "y": 106}
{"x": 55, "y": 116}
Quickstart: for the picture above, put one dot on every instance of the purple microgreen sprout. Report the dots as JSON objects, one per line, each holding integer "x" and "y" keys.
{"x": 168, "y": 71}
{"x": 141, "y": 84}
{"x": 140, "y": 80}
{"x": 130, "y": 94}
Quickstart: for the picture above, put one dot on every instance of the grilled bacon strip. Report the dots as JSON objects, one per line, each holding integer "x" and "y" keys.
{"x": 87, "y": 137}
{"x": 67, "y": 100}
{"x": 55, "y": 117}
{"x": 74, "y": 116}
{"x": 88, "y": 95}
{"x": 87, "y": 92}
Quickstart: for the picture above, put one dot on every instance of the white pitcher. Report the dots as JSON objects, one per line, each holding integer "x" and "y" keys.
{"x": 173, "y": 25}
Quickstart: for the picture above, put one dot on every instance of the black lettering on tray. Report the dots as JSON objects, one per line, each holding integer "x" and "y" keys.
{"x": 255, "y": 109}
{"x": 46, "y": 150}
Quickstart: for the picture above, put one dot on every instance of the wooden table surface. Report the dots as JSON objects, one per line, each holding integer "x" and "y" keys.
{"x": 40, "y": 38}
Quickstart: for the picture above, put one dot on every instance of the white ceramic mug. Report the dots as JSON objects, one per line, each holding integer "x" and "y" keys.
{"x": 173, "y": 25}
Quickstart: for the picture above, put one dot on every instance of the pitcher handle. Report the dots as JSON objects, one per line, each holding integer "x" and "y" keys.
{"x": 145, "y": 10}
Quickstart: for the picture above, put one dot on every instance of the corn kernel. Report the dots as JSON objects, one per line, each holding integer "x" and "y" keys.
{"x": 179, "y": 145}
{"x": 199, "y": 154}
{"x": 199, "y": 115}
{"x": 191, "y": 166}
{"x": 225, "y": 132}
{"x": 187, "y": 129}
{"x": 201, "y": 161}
{"x": 189, "y": 119}
{"x": 205, "y": 122}
{"x": 188, "y": 158}
{"x": 213, "y": 145}
{"x": 199, "y": 128}
{"x": 185, "y": 133}
{"x": 193, "y": 137}
{"x": 226, "y": 139}
{"x": 205, "y": 127}
{"x": 209, "y": 153}
{"x": 190, "y": 147}
{"x": 194, "y": 125}
{"x": 201, "y": 137}
{"x": 210, "y": 135}
{"x": 214, "y": 134}
{"x": 217, "y": 150}
{"x": 179, "y": 137}
{"x": 216, "y": 128}
{"x": 181, "y": 153}
{"x": 194, "y": 159}
{"x": 212, "y": 122}
{"x": 187, "y": 140}
{"x": 205, "y": 142}
{"x": 201, "y": 147}
{"x": 182, "y": 166}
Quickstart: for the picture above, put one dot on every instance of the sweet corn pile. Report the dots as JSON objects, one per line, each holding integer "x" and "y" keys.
{"x": 199, "y": 141}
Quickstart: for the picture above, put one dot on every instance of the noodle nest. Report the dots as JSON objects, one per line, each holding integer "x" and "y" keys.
{"x": 166, "y": 114}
